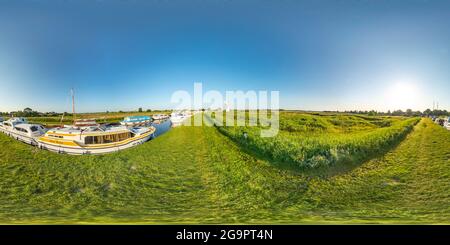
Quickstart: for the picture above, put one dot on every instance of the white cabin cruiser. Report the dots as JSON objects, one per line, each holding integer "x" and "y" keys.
{"x": 28, "y": 133}
{"x": 447, "y": 124}
{"x": 440, "y": 121}
{"x": 20, "y": 129}
{"x": 95, "y": 139}
{"x": 160, "y": 117}
{"x": 8, "y": 125}
{"x": 179, "y": 117}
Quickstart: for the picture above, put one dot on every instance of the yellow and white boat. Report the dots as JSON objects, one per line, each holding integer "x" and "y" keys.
{"x": 94, "y": 140}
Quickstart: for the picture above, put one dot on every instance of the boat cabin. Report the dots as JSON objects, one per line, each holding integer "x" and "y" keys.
{"x": 29, "y": 130}
{"x": 12, "y": 122}
{"x": 94, "y": 135}
{"x": 160, "y": 116}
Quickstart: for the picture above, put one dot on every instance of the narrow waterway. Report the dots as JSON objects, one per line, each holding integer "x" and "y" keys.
{"x": 161, "y": 127}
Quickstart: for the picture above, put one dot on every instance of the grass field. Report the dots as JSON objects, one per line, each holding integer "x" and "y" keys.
{"x": 198, "y": 175}
{"x": 308, "y": 141}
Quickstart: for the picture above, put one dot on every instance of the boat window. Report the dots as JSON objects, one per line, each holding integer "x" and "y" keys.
{"x": 34, "y": 128}
{"x": 97, "y": 140}
{"x": 21, "y": 130}
{"x": 89, "y": 140}
{"x": 55, "y": 136}
{"x": 108, "y": 138}
{"x": 104, "y": 139}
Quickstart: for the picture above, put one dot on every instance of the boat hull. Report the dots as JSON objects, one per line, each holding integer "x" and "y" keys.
{"x": 26, "y": 139}
{"x": 80, "y": 150}
{"x": 177, "y": 121}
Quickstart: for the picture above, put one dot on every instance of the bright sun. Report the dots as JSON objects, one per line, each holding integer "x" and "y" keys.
{"x": 402, "y": 95}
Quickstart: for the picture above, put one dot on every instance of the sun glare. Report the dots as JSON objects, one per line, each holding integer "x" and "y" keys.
{"x": 402, "y": 95}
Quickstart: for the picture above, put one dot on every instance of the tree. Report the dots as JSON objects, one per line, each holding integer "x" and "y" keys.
{"x": 397, "y": 113}
{"x": 140, "y": 109}
{"x": 27, "y": 110}
{"x": 409, "y": 112}
{"x": 149, "y": 110}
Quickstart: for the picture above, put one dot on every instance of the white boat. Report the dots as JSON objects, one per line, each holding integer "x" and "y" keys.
{"x": 136, "y": 120}
{"x": 440, "y": 121}
{"x": 28, "y": 133}
{"x": 20, "y": 129}
{"x": 94, "y": 140}
{"x": 447, "y": 124}
{"x": 179, "y": 117}
{"x": 8, "y": 125}
{"x": 160, "y": 117}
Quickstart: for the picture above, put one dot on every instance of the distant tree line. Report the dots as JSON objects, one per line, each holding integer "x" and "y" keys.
{"x": 28, "y": 112}
{"x": 407, "y": 113}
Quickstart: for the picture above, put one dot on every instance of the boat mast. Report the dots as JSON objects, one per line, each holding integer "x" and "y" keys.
{"x": 73, "y": 105}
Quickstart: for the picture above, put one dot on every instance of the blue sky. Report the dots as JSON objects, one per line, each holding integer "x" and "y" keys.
{"x": 320, "y": 55}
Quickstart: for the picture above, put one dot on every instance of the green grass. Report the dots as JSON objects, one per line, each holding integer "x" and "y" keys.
{"x": 197, "y": 175}
{"x": 308, "y": 141}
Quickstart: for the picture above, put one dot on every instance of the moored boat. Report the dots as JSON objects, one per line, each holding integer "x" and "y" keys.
{"x": 95, "y": 139}
{"x": 440, "y": 121}
{"x": 8, "y": 125}
{"x": 179, "y": 117}
{"x": 160, "y": 117}
{"x": 19, "y": 129}
{"x": 136, "y": 120}
{"x": 28, "y": 133}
